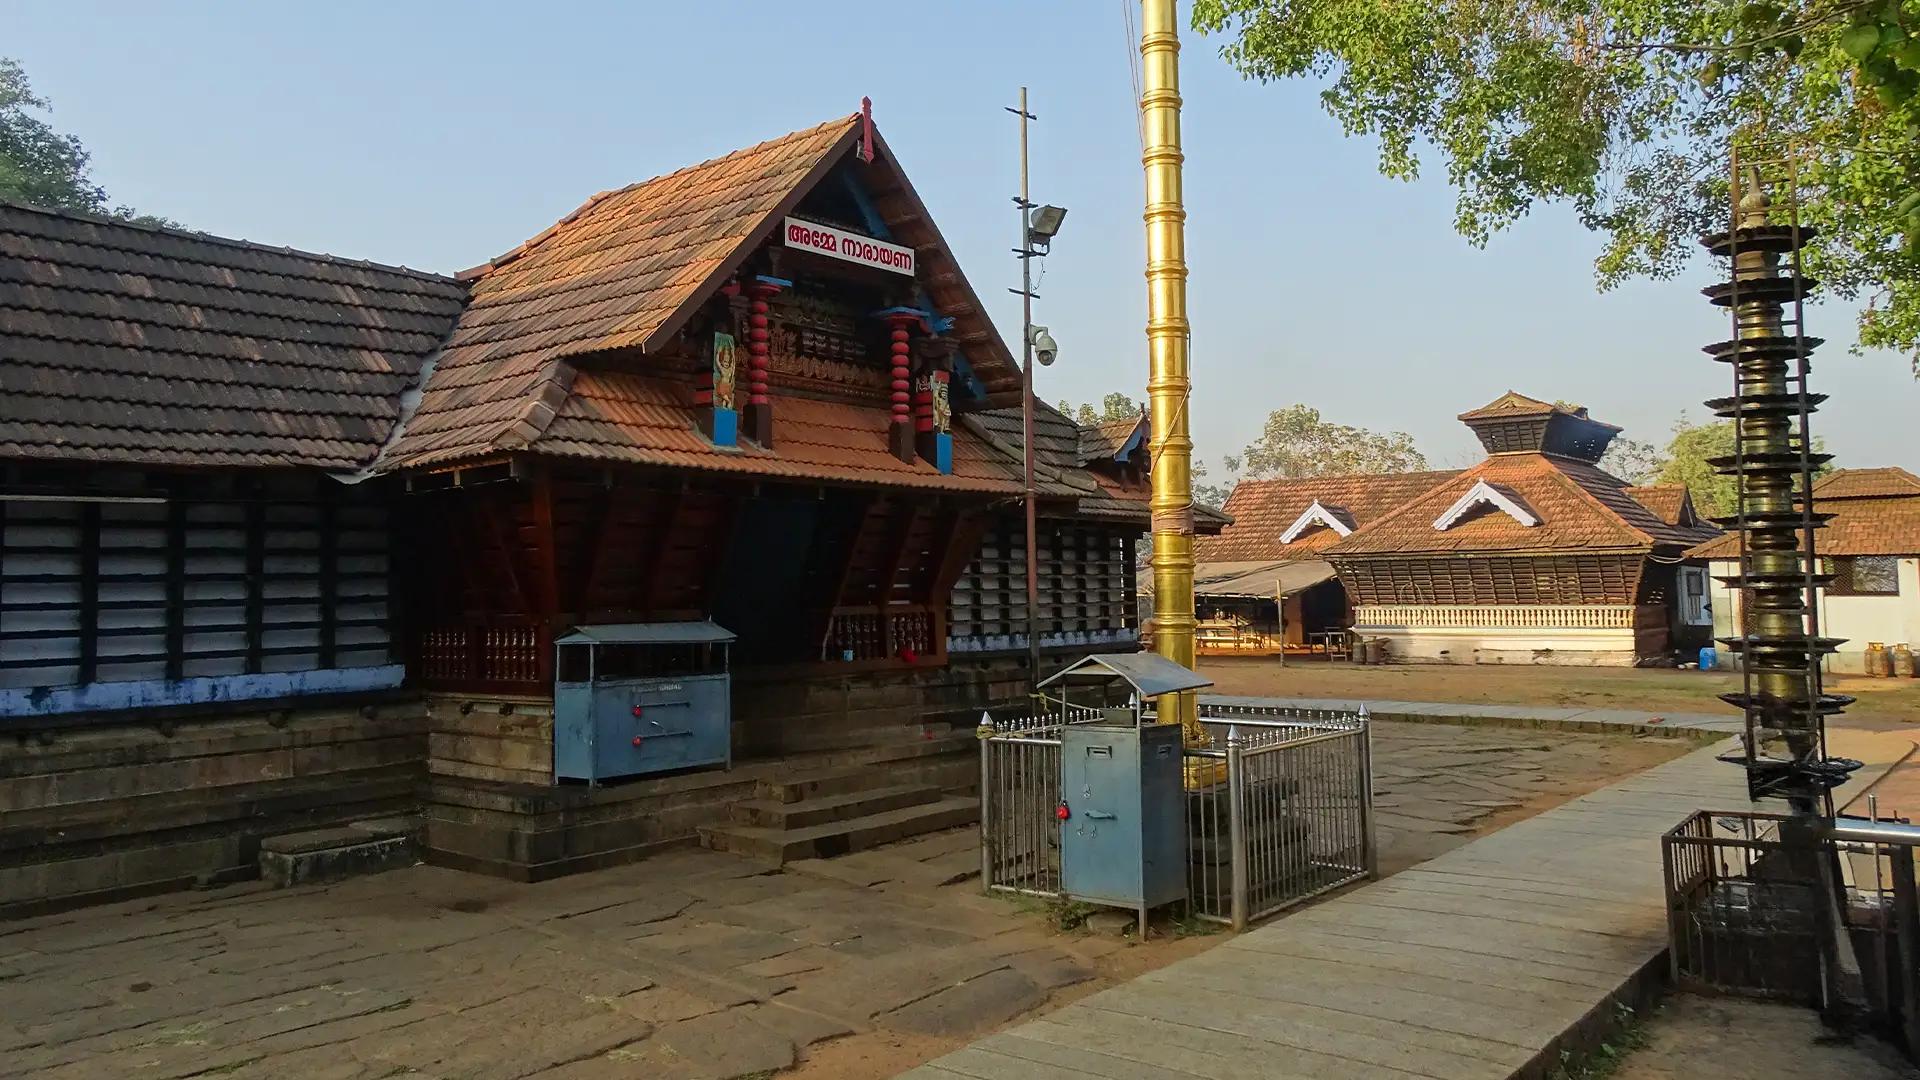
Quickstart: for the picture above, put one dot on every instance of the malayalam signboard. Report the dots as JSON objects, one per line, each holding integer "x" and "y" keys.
{"x": 836, "y": 243}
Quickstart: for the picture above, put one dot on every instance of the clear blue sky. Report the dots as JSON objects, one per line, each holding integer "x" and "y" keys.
{"x": 437, "y": 135}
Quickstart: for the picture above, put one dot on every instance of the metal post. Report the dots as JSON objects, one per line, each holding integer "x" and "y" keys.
{"x": 1237, "y": 827}
{"x": 1370, "y": 850}
{"x": 1168, "y": 383}
{"x": 984, "y": 734}
{"x": 1026, "y": 405}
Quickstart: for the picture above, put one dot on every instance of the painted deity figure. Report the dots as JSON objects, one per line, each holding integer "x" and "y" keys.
{"x": 942, "y": 406}
{"x": 726, "y": 362}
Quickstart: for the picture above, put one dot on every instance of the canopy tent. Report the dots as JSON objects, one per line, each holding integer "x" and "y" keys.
{"x": 1259, "y": 579}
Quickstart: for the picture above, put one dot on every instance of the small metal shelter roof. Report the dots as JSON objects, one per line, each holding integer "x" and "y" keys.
{"x": 1257, "y": 579}
{"x": 695, "y": 632}
{"x": 1150, "y": 674}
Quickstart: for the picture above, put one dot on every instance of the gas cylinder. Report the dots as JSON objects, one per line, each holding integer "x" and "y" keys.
{"x": 1903, "y": 666}
{"x": 1876, "y": 659}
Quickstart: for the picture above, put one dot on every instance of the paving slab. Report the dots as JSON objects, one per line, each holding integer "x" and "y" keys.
{"x": 1474, "y": 966}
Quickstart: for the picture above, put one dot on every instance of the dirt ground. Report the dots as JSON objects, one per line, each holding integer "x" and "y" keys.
{"x": 1652, "y": 689}
{"x": 1691, "y": 1037}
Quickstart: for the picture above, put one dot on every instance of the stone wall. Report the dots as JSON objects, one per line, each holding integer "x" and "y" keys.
{"x": 785, "y": 715}
{"x": 96, "y": 813}
{"x": 491, "y": 805}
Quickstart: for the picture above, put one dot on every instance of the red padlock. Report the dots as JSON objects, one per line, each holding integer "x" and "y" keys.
{"x": 637, "y": 710}
{"x": 1061, "y": 812}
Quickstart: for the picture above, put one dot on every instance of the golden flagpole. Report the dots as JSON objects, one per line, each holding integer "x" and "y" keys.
{"x": 1168, "y": 385}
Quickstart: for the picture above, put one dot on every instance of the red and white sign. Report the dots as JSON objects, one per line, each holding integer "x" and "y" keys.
{"x": 852, "y": 247}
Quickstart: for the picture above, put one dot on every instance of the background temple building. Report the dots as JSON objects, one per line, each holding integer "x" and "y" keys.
{"x": 1262, "y": 586}
{"x": 1535, "y": 555}
{"x": 1870, "y": 546}
{"x": 288, "y": 538}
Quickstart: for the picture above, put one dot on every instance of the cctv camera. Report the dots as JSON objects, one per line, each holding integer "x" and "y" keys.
{"x": 1044, "y": 347}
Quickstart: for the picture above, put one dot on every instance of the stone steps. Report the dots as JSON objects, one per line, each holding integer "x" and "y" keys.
{"x": 821, "y": 809}
{"x": 825, "y": 840}
{"x": 949, "y": 771}
{"x": 363, "y": 847}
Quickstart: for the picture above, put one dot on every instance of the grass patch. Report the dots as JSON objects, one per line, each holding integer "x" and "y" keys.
{"x": 1063, "y": 914}
{"x": 1191, "y": 925}
{"x": 1629, "y": 1034}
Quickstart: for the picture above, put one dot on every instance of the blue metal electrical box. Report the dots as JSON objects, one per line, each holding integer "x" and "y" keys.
{"x": 1124, "y": 839}
{"x": 637, "y": 698}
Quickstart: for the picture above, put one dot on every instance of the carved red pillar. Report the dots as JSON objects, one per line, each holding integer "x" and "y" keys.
{"x": 900, "y": 426}
{"x": 759, "y": 414}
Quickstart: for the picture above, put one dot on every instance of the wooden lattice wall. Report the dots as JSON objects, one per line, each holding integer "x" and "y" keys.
{"x": 1087, "y": 583}
{"x": 187, "y": 577}
{"x": 1472, "y": 579}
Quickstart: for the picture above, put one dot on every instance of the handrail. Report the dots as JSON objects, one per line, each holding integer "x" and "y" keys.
{"x": 1891, "y": 833}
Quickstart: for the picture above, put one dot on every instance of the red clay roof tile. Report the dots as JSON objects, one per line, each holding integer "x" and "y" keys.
{"x": 1580, "y": 508}
{"x": 1262, "y": 510}
{"x": 1875, "y": 512}
{"x": 134, "y": 344}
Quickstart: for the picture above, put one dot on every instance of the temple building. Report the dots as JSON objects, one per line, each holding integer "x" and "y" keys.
{"x": 290, "y": 540}
{"x": 1534, "y": 556}
{"x": 1870, "y": 548}
{"x": 1263, "y": 587}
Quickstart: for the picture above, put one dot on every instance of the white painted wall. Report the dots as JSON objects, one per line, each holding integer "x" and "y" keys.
{"x": 1860, "y": 619}
{"x": 1612, "y": 647}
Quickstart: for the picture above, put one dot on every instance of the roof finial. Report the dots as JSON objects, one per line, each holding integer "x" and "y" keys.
{"x": 1754, "y": 203}
{"x": 866, "y": 129}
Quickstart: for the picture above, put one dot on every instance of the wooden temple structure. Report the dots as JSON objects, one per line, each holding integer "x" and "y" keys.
{"x": 1263, "y": 585}
{"x": 1534, "y": 556}
{"x": 288, "y": 538}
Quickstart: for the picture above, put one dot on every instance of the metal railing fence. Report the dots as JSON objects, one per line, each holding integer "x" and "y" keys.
{"x": 1744, "y": 913}
{"x": 1279, "y": 808}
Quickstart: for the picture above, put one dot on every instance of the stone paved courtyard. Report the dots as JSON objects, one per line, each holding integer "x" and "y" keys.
{"x": 691, "y": 964}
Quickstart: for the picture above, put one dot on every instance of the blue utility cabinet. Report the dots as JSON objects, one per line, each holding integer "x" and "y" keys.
{"x": 636, "y": 698}
{"x": 1124, "y": 840}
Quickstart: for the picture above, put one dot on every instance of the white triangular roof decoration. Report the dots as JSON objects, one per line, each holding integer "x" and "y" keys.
{"x": 1312, "y": 515}
{"x": 1483, "y": 492}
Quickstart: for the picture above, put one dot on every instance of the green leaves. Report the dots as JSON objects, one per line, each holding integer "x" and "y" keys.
{"x": 1297, "y": 442}
{"x": 1859, "y": 42}
{"x": 1625, "y": 110}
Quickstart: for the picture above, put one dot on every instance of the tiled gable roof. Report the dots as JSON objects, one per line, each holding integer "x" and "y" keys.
{"x": 1262, "y": 510}
{"x": 625, "y": 269}
{"x": 1059, "y": 443}
{"x": 1874, "y": 512}
{"x": 1515, "y": 404}
{"x": 132, "y": 344}
{"x": 1580, "y": 508}
{"x": 623, "y": 416}
{"x": 609, "y": 275}
{"x": 1669, "y": 502}
{"x": 1890, "y": 481}
{"x": 1104, "y": 440}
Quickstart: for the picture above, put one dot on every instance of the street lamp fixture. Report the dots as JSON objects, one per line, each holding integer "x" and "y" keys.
{"x": 1044, "y": 224}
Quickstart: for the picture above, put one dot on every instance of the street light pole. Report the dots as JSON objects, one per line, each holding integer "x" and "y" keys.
{"x": 1025, "y": 252}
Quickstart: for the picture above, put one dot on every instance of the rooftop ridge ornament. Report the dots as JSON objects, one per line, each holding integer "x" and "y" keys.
{"x": 1778, "y": 639}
